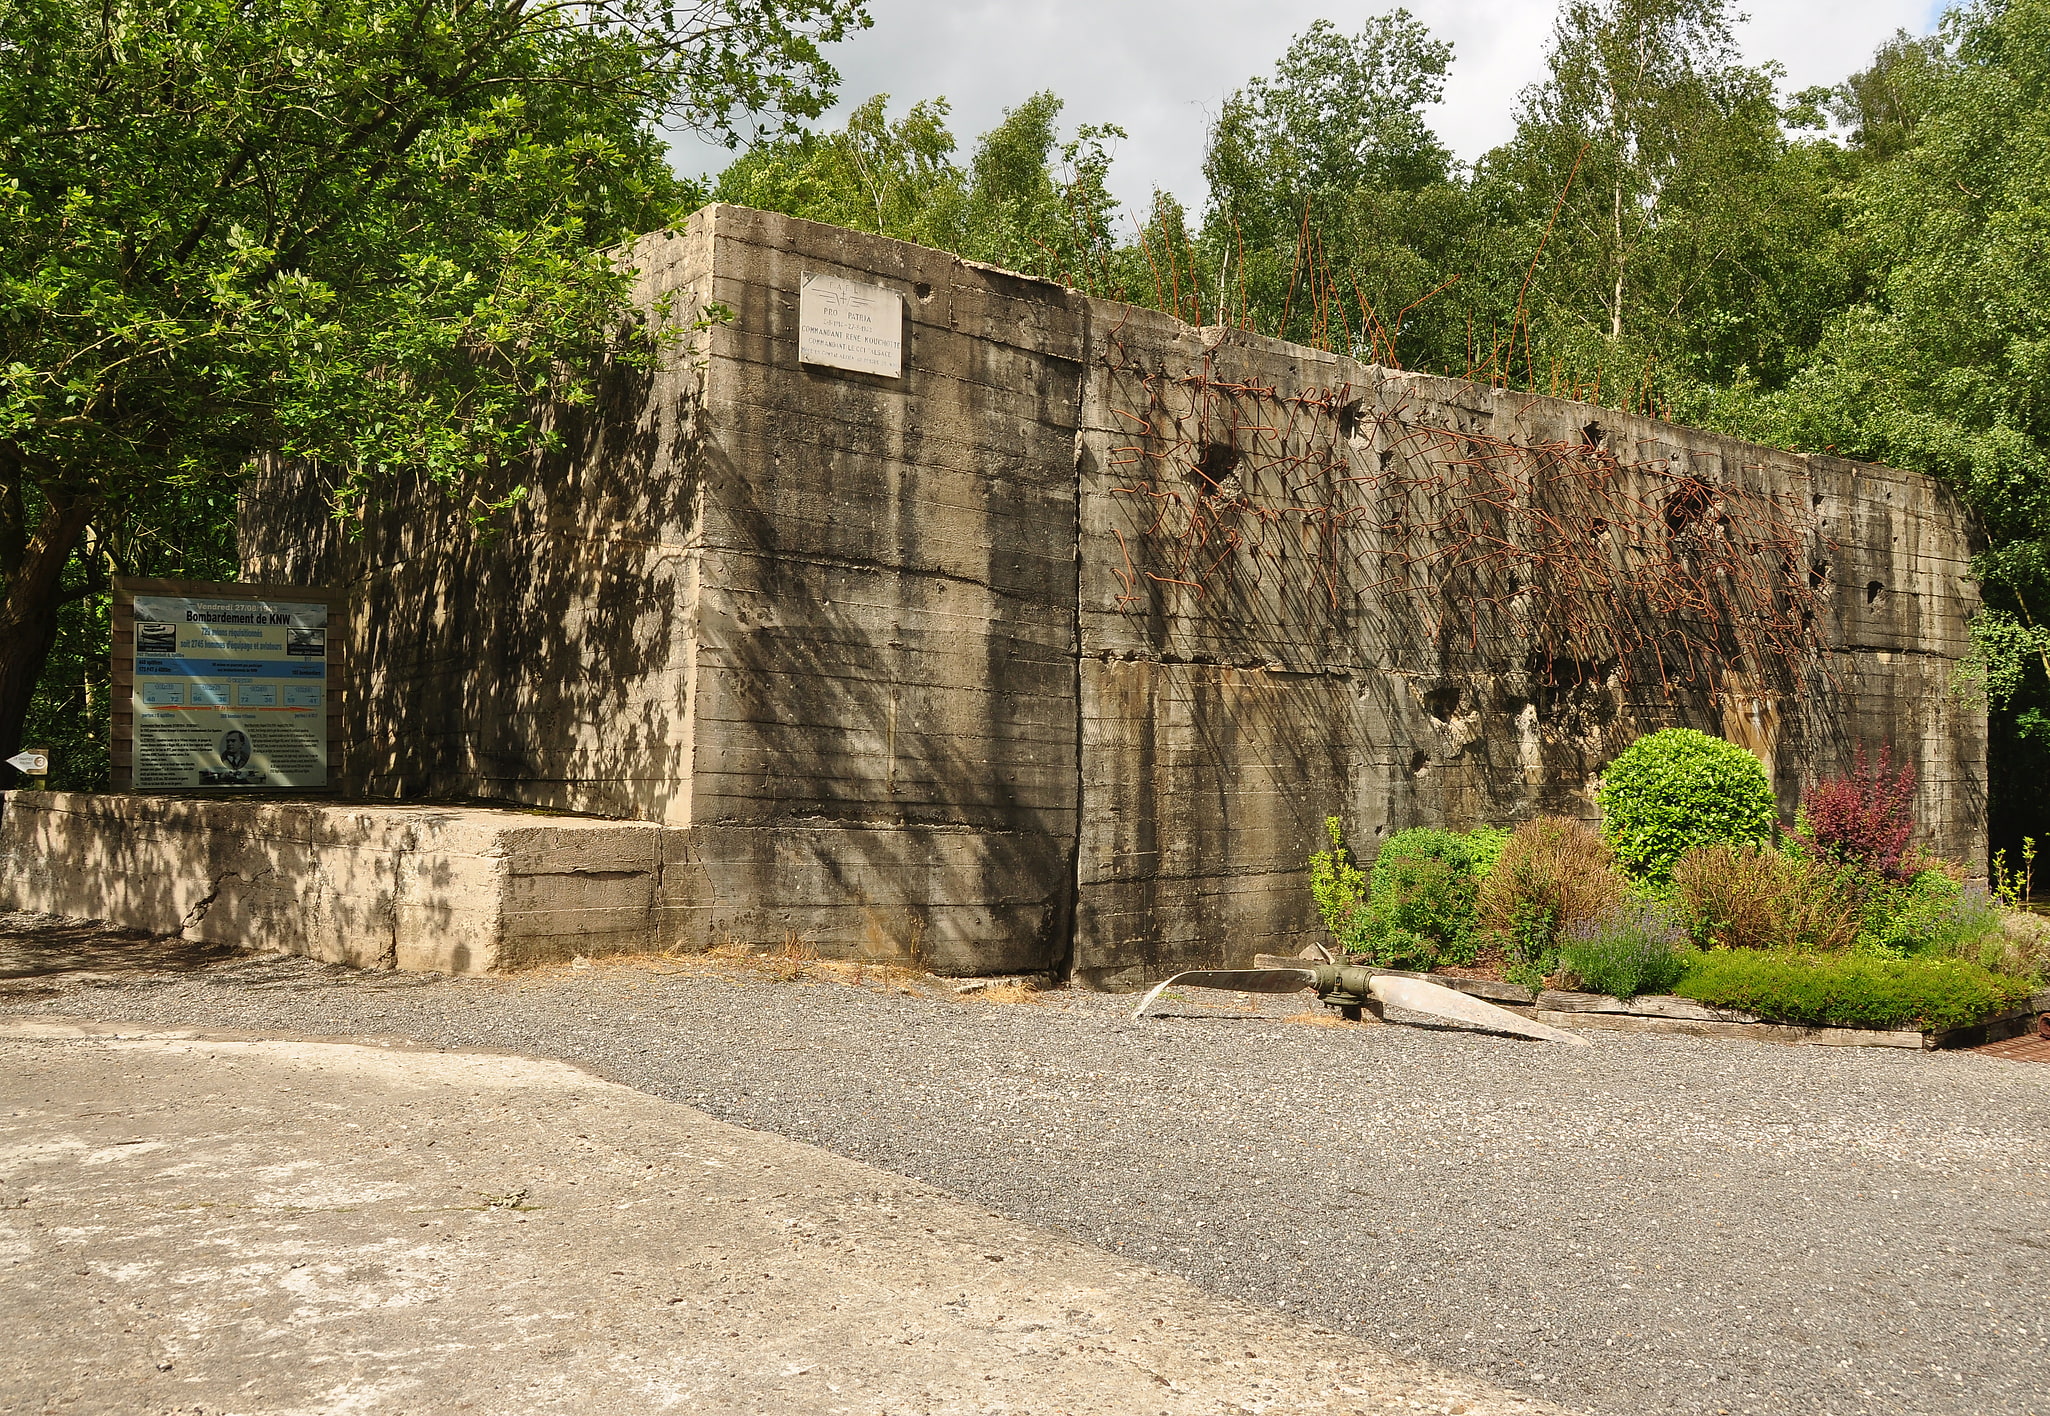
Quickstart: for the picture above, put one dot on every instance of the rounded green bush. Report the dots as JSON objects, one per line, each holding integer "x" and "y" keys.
{"x": 1415, "y": 909}
{"x": 1423, "y": 889}
{"x": 1676, "y": 789}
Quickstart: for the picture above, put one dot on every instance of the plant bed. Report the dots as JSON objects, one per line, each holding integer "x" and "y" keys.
{"x": 1665, "y": 1013}
{"x": 1671, "y": 1014}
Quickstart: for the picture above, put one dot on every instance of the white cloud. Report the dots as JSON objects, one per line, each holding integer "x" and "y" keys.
{"x": 1158, "y": 68}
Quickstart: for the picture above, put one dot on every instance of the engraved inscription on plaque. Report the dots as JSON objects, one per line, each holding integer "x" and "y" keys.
{"x": 845, "y": 324}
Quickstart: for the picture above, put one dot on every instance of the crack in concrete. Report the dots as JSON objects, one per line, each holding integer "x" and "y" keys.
{"x": 204, "y": 905}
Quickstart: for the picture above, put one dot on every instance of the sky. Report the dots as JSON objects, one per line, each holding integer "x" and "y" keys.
{"x": 1159, "y": 68}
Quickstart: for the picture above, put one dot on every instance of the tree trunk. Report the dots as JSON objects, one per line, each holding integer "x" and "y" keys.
{"x": 28, "y": 618}
{"x": 1616, "y": 290}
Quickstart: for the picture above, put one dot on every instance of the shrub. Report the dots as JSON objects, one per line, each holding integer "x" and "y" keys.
{"x": 1862, "y": 819}
{"x": 1339, "y": 887}
{"x": 1851, "y": 990}
{"x": 1414, "y": 909}
{"x": 1754, "y": 897}
{"x": 1931, "y": 911}
{"x": 1677, "y": 789}
{"x": 2005, "y": 942}
{"x": 1485, "y": 844}
{"x": 1633, "y": 948}
{"x": 1423, "y": 889}
{"x": 1553, "y": 872}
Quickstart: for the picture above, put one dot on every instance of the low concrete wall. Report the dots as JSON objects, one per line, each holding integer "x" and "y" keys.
{"x": 448, "y": 889}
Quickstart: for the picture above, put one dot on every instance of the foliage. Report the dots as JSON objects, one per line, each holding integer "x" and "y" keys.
{"x": 1881, "y": 106}
{"x": 2014, "y": 887}
{"x": 367, "y": 234}
{"x": 1423, "y": 892}
{"x": 1554, "y": 872}
{"x": 1931, "y": 911}
{"x": 1755, "y": 897}
{"x": 1861, "y": 818}
{"x": 2015, "y": 944}
{"x": 1938, "y": 361}
{"x": 1676, "y": 789}
{"x": 1328, "y": 189}
{"x": 1026, "y": 200}
{"x": 1634, "y": 947}
{"x": 1485, "y": 844}
{"x": 1414, "y": 909}
{"x": 2004, "y": 649}
{"x": 1851, "y": 990}
{"x": 1340, "y": 889}
{"x": 1650, "y": 179}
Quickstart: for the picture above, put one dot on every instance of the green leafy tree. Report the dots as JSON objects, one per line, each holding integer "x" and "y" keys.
{"x": 1334, "y": 213}
{"x": 1882, "y": 105}
{"x": 1673, "y": 231}
{"x": 1941, "y": 361}
{"x": 1945, "y": 366}
{"x": 895, "y": 179}
{"x": 368, "y": 233}
{"x": 1026, "y": 200}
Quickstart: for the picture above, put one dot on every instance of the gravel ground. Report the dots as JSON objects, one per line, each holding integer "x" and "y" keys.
{"x": 1647, "y": 1224}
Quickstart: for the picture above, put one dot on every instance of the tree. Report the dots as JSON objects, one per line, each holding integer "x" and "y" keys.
{"x": 1942, "y": 363}
{"x": 1340, "y": 113}
{"x": 1658, "y": 198}
{"x": 1026, "y": 200}
{"x": 1332, "y": 204}
{"x": 895, "y": 179}
{"x": 1882, "y": 105}
{"x": 365, "y": 232}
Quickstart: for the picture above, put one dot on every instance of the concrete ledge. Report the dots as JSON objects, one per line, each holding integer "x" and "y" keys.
{"x": 442, "y": 888}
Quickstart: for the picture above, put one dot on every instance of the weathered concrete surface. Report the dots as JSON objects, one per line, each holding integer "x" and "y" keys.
{"x": 1056, "y": 652}
{"x": 825, "y": 621}
{"x": 1252, "y": 660}
{"x": 437, "y": 888}
{"x": 193, "y": 1222}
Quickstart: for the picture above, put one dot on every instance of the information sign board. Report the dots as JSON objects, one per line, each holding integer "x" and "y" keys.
{"x": 230, "y": 691}
{"x": 849, "y": 325}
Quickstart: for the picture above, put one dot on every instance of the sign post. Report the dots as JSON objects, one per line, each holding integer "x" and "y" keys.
{"x": 34, "y": 763}
{"x": 226, "y": 687}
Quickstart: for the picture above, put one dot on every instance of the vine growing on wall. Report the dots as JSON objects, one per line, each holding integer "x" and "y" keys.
{"x": 1256, "y": 511}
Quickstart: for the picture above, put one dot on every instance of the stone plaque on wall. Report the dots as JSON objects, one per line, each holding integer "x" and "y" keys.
{"x": 845, "y": 324}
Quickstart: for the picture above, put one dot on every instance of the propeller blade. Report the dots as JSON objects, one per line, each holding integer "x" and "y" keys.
{"x": 1233, "y": 980}
{"x": 1437, "y": 1001}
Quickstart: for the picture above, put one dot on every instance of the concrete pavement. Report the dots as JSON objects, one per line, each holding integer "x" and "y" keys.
{"x": 217, "y": 1223}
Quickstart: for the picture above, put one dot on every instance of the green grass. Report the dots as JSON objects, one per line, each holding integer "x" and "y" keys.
{"x": 1849, "y": 990}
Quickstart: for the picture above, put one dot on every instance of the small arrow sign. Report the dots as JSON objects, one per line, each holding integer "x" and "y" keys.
{"x": 35, "y": 762}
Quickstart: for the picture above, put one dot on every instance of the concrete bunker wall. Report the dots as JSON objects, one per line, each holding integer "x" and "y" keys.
{"x": 1056, "y": 651}
{"x": 1313, "y": 587}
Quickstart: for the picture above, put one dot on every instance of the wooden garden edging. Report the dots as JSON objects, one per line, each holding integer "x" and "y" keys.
{"x": 1662, "y": 1013}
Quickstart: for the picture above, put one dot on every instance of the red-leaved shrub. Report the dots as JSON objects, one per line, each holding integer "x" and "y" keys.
{"x": 1862, "y": 819}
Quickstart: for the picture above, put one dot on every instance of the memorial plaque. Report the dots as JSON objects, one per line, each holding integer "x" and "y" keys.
{"x": 845, "y": 324}
{"x": 230, "y": 691}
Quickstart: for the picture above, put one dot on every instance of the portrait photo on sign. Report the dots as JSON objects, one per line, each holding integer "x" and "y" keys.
{"x": 154, "y": 637}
